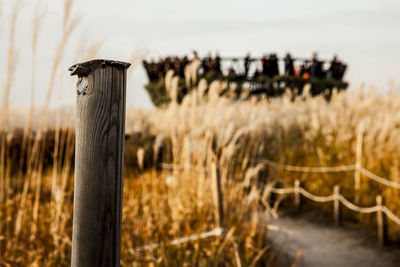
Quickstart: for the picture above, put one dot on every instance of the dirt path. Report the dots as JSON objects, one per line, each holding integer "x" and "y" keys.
{"x": 322, "y": 246}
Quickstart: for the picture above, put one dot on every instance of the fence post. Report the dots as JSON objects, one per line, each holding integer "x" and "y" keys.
{"x": 357, "y": 175}
{"x": 381, "y": 222}
{"x": 217, "y": 191}
{"x": 336, "y": 206}
{"x": 297, "y": 194}
{"x": 100, "y": 126}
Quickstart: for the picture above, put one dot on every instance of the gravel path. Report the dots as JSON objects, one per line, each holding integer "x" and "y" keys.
{"x": 319, "y": 246}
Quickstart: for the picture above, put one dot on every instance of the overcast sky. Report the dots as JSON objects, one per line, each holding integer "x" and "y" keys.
{"x": 364, "y": 33}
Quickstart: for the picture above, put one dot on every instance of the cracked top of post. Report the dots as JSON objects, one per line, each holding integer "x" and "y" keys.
{"x": 85, "y": 68}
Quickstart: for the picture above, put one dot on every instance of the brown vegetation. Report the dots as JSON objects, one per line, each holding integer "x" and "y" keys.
{"x": 36, "y": 169}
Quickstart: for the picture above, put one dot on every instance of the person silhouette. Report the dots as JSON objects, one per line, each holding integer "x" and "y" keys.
{"x": 289, "y": 66}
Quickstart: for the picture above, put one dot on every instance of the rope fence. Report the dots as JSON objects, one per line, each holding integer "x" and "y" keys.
{"x": 282, "y": 191}
{"x": 291, "y": 168}
{"x": 380, "y": 209}
{"x": 378, "y": 179}
{"x": 337, "y": 198}
{"x": 345, "y": 168}
{"x": 356, "y": 208}
{"x": 390, "y": 214}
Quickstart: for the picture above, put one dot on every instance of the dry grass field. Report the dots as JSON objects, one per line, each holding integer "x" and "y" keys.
{"x": 306, "y": 132}
{"x": 167, "y": 179}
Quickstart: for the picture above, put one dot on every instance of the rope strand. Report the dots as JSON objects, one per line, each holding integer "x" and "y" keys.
{"x": 342, "y": 199}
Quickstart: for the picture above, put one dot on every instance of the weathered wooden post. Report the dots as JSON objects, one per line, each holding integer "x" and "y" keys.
{"x": 357, "y": 174}
{"x": 380, "y": 221}
{"x": 100, "y": 126}
{"x": 336, "y": 206}
{"x": 217, "y": 191}
{"x": 297, "y": 194}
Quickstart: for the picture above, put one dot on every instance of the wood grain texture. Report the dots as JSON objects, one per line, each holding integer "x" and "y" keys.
{"x": 100, "y": 127}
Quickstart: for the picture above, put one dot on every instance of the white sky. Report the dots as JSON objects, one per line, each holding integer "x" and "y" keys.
{"x": 364, "y": 33}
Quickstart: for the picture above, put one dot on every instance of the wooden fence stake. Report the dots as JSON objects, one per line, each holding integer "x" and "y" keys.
{"x": 381, "y": 222}
{"x": 336, "y": 206}
{"x": 217, "y": 191}
{"x": 357, "y": 175}
{"x": 100, "y": 126}
{"x": 297, "y": 194}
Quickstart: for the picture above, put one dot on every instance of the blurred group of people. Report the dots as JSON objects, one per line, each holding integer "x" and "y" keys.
{"x": 267, "y": 66}
{"x": 308, "y": 68}
{"x": 210, "y": 64}
{"x": 316, "y": 68}
{"x": 156, "y": 70}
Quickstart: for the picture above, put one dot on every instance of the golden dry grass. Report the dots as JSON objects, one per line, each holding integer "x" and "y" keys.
{"x": 160, "y": 206}
{"x": 36, "y": 187}
{"x": 36, "y": 206}
{"x": 306, "y": 132}
{"x": 11, "y": 65}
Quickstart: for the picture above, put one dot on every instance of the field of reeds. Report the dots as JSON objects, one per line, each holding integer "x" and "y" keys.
{"x": 158, "y": 207}
{"x": 306, "y": 132}
{"x": 36, "y": 181}
{"x": 167, "y": 179}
